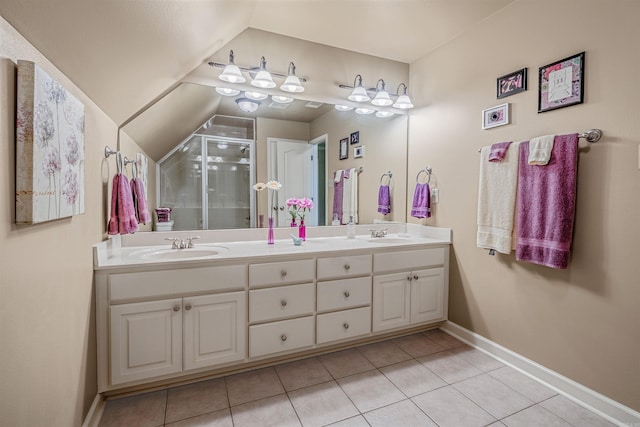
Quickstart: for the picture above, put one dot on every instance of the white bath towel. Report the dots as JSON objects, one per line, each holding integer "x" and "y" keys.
{"x": 497, "y": 200}
{"x": 337, "y": 176}
{"x": 350, "y": 196}
{"x": 540, "y": 150}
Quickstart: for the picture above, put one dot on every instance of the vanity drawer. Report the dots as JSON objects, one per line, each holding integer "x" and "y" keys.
{"x": 281, "y": 302}
{"x": 343, "y": 325}
{"x": 408, "y": 260}
{"x": 344, "y": 293}
{"x": 280, "y": 273}
{"x": 129, "y": 286}
{"x": 285, "y": 335}
{"x": 355, "y": 265}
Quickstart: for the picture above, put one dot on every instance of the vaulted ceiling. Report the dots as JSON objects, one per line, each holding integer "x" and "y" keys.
{"x": 125, "y": 53}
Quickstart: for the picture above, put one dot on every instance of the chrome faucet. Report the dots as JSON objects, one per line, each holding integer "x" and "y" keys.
{"x": 178, "y": 243}
{"x": 378, "y": 233}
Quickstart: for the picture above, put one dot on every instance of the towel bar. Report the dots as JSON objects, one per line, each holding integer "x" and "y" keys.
{"x": 592, "y": 135}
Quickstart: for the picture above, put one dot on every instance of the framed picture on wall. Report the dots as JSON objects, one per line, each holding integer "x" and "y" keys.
{"x": 561, "y": 83}
{"x": 355, "y": 137}
{"x": 512, "y": 83}
{"x": 495, "y": 116}
{"x": 344, "y": 148}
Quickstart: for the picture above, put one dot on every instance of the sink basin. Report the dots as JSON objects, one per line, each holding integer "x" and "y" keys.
{"x": 177, "y": 254}
{"x": 389, "y": 240}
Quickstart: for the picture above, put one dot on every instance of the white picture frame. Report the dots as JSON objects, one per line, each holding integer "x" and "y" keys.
{"x": 495, "y": 116}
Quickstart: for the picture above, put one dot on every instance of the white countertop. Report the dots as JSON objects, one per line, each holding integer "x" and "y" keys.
{"x": 151, "y": 249}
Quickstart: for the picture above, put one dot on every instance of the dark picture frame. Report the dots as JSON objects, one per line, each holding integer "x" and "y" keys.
{"x": 344, "y": 149}
{"x": 511, "y": 83}
{"x": 561, "y": 83}
{"x": 354, "y": 138}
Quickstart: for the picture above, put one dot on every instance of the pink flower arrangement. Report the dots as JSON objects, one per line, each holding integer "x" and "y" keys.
{"x": 299, "y": 207}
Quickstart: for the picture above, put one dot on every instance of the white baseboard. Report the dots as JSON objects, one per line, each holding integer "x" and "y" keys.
{"x": 95, "y": 412}
{"x": 584, "y": 396}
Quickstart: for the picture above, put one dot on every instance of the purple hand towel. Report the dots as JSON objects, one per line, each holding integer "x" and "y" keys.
{"x": 139, "y": 201}
{"x": 546, "y": 204}
{"x": 384, "y": 199}
{"x": 498, "y": 151}
{"x": 421, "y": 207}
{"x": 113, "y": 218}
{"x": 123, "y": 218}
{"x": 338, "y": 189}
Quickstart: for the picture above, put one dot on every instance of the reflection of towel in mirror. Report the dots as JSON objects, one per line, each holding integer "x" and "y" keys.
{"x": 350, "y": 196}
{"x": 421, "y": 207}
{"x": 338, "y": 185}
{"x": 139, "y": 201}
{"x": 384, "y": 199}
{"x": 123, "y": 218}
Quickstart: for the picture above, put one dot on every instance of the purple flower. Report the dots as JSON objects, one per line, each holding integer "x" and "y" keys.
{"x": 55, "y": 92}
{"x": 51, "y": 161}
{"x": 43, "y": 124}
{"x": 70, "y": 186}
{"x": 73, "y": 150}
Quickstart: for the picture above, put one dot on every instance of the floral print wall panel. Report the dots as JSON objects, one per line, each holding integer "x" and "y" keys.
{"x": 49, "y": 148}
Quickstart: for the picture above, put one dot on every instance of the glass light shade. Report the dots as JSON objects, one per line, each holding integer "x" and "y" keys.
{"x": 232, "y": 74}
{"x": 382, "y": 99}
{"x": 364, "y": 110}
{"x": 343, "y": 107}
{"x": 403, "y": 102}
{"x": 225, "y": 91}
{"x": 359, "y": 94}
{"x": 256, "y": 96}
{"x": 384, "y": 114}
{"x": 292, "y": 84}
{"x": 281, "y": 99}
{"x": 263, "y": 79}
{"x": 248, "y": 105}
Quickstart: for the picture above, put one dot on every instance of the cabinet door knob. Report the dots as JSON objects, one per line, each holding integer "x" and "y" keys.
{"x": 415, "y": 277}
{"x": 283, "y": 303}
{"x": 187, "y": 306}
{"x": 283, "y": 337}
{"x": 283, "y": 273}
{"x": 346, "y": 294}
{"x": 345, "y": 325}
{"x": 176, "y": 307}
{"x": 347, "y": 267}
{"x": 409, "y": 278}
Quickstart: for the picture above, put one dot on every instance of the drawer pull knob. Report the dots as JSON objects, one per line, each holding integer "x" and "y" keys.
{"x": 346, "y": 294}
{"x": 345, "y": 325}
{"x": 283, "y": 273}
{"x": 283, "y": 303}
{"x": 415, "y": 277}
{"x": 347, "y": 267}
{"x": 176, "y": 307}
{"x": 187, "y": 306}
{"x": 283, "y": 337}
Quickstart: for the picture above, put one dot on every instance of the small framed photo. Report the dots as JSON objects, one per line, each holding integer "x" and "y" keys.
{"x": 512, "y": 83}
{"x": 355, "y": 137}
{"x": 561, "y": 83}
{"x": 495, "y": 116}
{"x": 344, "y": 148}
{"x": 358, "y": 152}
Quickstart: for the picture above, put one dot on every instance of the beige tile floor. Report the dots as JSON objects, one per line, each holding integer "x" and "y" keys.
{"x": 425, "y": 379}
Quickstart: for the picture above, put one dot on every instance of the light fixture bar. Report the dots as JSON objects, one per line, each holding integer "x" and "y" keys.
{"x": 253, "y": 70}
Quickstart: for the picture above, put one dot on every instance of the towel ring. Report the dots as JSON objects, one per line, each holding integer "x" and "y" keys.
{"x": 388, "y": 174}
{"x": 426, "y": 170}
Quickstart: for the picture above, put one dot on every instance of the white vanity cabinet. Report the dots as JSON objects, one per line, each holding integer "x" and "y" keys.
{"x": 416, "y": 293}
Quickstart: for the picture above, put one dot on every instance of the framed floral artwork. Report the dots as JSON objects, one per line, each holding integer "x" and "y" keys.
{"x": 512, "y": 83}
{"x": 495, "y": 116}
{"x": 561, "y": 83}
{"x": 49, "y": 148}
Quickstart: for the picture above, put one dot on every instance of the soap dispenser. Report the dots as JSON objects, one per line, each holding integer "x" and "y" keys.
{"x": 335, "y": 221}
{"x": 351, "y": 229}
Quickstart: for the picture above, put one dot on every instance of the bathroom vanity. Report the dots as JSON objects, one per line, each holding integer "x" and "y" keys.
{"x": 234, "y": 302}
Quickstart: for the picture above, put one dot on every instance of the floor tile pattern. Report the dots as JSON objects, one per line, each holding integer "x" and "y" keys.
{"x": 425, "y": 379}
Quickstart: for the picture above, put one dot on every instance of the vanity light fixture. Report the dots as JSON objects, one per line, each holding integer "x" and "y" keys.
{"x": 248, "y": 105}
{"x": 340, "y": 107}
{"x": 364, "y": 110}
{"x": 256, "y": 96}
{"x": 384, "y": 114}
{"x": 263, "y": 79}
{"x": 403, "y": 102}
{"x": 292, "y": 82}
{"x": 382, "y": 98}
{"x": 359, "y": 93}
{"x": 281, "y": 99}
{"x": 226, "y": 91}
{"x": 231, "y": 72}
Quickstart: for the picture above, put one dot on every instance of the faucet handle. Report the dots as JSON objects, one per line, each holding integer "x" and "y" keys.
{"x": 190, "y": 241}
{"x": 175, "y": 240}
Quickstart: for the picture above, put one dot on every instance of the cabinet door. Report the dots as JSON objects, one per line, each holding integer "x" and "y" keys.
{"x": 214, "y": 329}
{"x": 427, "y": 295}
{"x": 146, "y": 340}
{"x": 391, "y": 299}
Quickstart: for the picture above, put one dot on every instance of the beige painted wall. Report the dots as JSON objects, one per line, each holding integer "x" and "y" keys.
{"x": 583, "y": 322}
{"x": 47, "y": 320}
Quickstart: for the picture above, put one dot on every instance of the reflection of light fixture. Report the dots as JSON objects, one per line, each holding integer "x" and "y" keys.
{"x": 382, "y": 97}
{"x": 256, "y": 96}
{"x": 364, "y": 110}
{"x": 340, "y": 107}
{"x": 359, "y": 93}
{"x": 292, "y": 82}
{"x": 403, "y": 101}
{"x": 223, "y": 146}
{"x": 248, "y": 105}
{"x": 225, "y": 91}
{"x": 281, "y": 99}
{"x": 263, "y": 79}
{"x": 231, "y": 72}
{"x": 384, "y": 114}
